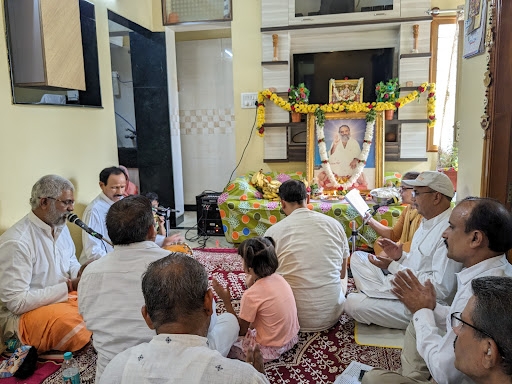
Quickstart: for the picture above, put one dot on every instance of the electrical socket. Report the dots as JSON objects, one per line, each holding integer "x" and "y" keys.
{"x": 248, "y": 100}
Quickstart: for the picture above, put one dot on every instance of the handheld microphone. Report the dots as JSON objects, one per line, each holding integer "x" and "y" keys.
{"x": 73, "y": 218}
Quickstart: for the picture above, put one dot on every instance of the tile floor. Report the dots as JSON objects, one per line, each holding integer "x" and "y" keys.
{"x": 188, "y": 229}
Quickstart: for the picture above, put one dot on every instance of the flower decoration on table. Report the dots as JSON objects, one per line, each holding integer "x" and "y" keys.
{"x": 388, "y": 92}
{"x": 298, "y": 95}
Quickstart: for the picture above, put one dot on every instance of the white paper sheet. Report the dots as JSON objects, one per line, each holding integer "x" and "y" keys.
{"x": 351, "y": 374}
{"x": 357, "y": 202}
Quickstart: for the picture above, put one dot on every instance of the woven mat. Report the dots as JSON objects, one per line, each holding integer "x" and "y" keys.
{"x": 318, "y": 358}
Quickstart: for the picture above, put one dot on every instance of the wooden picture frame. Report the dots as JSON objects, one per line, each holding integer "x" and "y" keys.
{"x": 346, "y": 90}
{"x": 373, "y": 172}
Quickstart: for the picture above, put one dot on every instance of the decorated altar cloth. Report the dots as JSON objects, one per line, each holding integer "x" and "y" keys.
{"x": 246, "y": 214}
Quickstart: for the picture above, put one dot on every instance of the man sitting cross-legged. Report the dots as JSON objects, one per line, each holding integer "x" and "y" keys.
{"x": 178, "y": 306}
{"x": 312, "y": 250}
{"x": 38, "y": 269}
{"x": 110, "y": 296}
{"x": 427, "y": 259}
{"x": 478, "y": 236}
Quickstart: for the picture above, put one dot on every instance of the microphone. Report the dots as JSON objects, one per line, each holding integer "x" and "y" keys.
{"x": 73, "y": 218}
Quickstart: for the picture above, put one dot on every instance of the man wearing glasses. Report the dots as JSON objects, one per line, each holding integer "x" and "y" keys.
{"x": 373, "y": 274}
{"x": 483, "y": 344}
{"x": 38, "y": 268}
{"x": 478, "y": 236}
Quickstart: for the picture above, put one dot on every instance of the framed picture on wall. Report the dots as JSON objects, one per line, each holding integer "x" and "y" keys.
{"x": 346, "y": 90}
{"x": 344, "y": 146}
{"x": 475, "y": 25}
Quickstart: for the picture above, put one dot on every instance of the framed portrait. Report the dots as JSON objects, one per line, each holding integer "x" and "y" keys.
{"x": 346, "y": 90}
{"x": 344, "y": 134}
{"x": 474, "y": 27}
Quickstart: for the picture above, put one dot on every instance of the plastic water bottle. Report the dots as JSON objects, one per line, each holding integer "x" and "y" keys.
{"x": 70, "y": 370}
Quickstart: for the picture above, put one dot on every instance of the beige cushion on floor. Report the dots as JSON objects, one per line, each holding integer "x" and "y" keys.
{"x": 378, "y": 336}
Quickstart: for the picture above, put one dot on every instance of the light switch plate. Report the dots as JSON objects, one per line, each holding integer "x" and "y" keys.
{"x": 248, "y": 100}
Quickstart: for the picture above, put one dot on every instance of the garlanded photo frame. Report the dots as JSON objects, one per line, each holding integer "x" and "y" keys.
{"x": 337, "y": 162}
{"x": 346, "y": 90}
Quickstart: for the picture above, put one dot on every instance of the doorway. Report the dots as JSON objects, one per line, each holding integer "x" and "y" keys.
{"x": 140, "y": 91}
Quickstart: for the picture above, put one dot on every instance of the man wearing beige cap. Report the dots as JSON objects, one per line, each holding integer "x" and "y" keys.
{"x": 373, "y": 274}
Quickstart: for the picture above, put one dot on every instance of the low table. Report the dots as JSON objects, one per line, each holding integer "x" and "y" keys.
{"x": 245, "y": 219}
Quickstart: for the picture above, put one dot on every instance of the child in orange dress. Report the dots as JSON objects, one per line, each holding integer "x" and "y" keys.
{"x": 268, "y": 314}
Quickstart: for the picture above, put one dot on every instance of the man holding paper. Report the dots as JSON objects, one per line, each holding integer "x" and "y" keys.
{"x": 374, "y": 303}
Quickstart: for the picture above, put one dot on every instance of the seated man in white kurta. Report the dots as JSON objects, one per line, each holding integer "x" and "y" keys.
{"x": 344, "y": 152}
{"x": 432, "y": 195}
{"x": 312, "y": 250}
{"x": 178, "y": 305}
{"x": 110, "y": 294}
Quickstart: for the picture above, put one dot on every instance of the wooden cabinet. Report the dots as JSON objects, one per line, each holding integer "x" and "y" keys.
{"x": 46, "y": 43}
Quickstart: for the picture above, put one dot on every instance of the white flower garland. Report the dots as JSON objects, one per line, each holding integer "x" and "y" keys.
{"x": 363, "y": 156}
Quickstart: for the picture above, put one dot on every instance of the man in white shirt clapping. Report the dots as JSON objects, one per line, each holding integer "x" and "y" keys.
{"x": 478, "y": 236}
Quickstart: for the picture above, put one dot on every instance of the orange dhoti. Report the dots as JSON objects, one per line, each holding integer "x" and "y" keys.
{"x": 55, "y": 327}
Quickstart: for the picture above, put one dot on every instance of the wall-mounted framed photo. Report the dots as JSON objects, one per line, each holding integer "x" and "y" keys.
{"x": 475, "y": 22}
{"x": 344, "y": 140}
{"x": 347, "y": 90}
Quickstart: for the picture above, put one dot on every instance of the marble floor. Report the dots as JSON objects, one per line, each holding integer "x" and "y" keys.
{"x": 188, "y": 228}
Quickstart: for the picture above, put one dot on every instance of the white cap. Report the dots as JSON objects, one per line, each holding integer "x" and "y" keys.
{"x": 437, "y": 181}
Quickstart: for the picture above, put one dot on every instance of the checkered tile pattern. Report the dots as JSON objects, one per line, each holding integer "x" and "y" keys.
{"x": 207, "y": 121}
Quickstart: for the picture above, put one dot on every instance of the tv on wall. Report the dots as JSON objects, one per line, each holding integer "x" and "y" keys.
{"x": 316, "y": 69}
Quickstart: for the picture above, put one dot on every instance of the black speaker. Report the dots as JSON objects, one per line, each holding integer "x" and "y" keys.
{"x": 209, "y": 222}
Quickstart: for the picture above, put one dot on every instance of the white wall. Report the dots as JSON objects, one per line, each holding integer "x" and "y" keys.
{"x": 205, "y": 84}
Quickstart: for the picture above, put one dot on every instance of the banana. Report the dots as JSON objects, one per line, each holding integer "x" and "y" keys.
{"x": 254, "y": 179}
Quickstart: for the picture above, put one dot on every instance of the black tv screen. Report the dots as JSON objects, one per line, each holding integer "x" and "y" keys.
{"x": 316, "y": 69}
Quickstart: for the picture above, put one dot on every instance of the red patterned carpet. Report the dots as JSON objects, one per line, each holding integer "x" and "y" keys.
{"x": 318, "y": 358}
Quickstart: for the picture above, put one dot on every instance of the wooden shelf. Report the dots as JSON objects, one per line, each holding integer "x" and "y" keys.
{"x": 275, "y": 125}
{"x": 276, "y": 160}
{"x": 415, "y": 55}
{"x": 347, "y": 23}
{"x": 408, "y": 121}
{"x": 409, "y": 88}
{"x": 274, "y": 63}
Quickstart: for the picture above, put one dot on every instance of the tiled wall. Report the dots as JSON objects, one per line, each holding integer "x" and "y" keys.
{"x": 205, "y": 88}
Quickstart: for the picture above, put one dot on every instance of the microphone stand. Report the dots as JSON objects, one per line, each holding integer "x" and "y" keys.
{"x": 356, "y": 230}
{"x": 356, "y": 234}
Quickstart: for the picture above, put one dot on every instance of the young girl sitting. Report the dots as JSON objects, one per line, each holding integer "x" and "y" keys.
{"x": 268, "y": 314}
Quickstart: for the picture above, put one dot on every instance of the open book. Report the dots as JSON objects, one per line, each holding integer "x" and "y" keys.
{"x": 357, "y": 202}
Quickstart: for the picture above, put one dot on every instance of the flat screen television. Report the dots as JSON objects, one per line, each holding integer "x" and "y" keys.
{"x": 316, "y": 69}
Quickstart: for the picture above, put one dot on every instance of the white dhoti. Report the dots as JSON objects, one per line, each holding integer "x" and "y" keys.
{"x": 367, "y": 310}
{"x": 224, "y": 334}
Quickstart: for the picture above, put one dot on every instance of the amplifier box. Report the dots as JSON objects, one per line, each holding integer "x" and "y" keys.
{"x": 209, "y": 222}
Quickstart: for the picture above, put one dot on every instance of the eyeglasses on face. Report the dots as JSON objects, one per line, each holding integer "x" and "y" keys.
{"x": 457, "y": 323}
{"x": 67, "y": 203}
{"x": 417, "y": 193}
{"x": 403, "y": 189}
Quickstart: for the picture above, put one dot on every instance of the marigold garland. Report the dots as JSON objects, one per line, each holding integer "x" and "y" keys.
{"x": 321, "y": 109}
